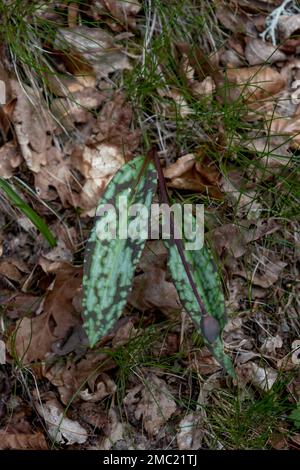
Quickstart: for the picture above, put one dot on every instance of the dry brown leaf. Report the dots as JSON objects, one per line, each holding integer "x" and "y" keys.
{"x": 156, "y": 405}
{"x": 62, "y": 376}
{"x": 152, "y": 290}
{"x": 112, "y": 143}
{"x": 76, "y": 107}
{"x": 203, "y": 362}
{"x": 258, "y": 51}
{"x": 195, "y": 173}
{"x": 10, "y": 271}
{"x": 204, "y": 88}
{"x": 236, "y": 22}
{"x": 253, "y": 83}
{"x": 34, "y": 441}
{"x": 68, "y": 84}
{"x": 87, "y": 48}
{"x": 10, "y": 159}
{"x": 230, "y": 58}
{"x": 284, "y": 126}
{"x": 84, "y": 375}
{"x": 56, "y": 173}
{"x": 93, "y": 415}
{"x": 35, "y": 336}
{"x": 124, "y": 334}
{"x": 104, "y": 387}
{"x": 271, "y": 344}
{"x": 33, "y": 130}
{"x": 234, "y": 335}
{"x": 273, "y": 150}
{"x": 191, "y": 432}
{"x": 61, "y": 429}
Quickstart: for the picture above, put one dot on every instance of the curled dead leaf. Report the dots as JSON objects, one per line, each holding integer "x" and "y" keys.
{"x": 35, "y": 336}
{"x": 194, "y": 172}
{"x": 19, "y": 441}
{"x": 61, "y": 429}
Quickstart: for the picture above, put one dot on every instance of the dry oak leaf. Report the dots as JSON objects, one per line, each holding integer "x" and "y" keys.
{"x": 155, "y": 406}
{"x": 35, "y": 336}
{"x": 89, "y": 49}
{"x": 32, "y": 128}
{"x": 19, "y": 441}
{"x": 61, "y": 429}
{"x": 152, "y": 290}
{"x": 10, "y": 159}
{"x": 253, "y": 83}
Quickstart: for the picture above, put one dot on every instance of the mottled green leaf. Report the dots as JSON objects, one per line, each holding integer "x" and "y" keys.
{"x": 207, "y": 282}
{"x": 110, "y": 263}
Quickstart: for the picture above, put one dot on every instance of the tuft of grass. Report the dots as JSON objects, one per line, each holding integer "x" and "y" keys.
{"x": 248, "y": 419}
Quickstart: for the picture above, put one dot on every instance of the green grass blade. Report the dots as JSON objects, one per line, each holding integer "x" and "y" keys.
{"x": 18, "y": 202}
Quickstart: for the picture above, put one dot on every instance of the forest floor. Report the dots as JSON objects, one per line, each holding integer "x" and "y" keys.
{"x": 84, "y": 88}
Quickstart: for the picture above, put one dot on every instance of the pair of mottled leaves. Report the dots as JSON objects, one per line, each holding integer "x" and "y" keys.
{"x": 110, "y": 265}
